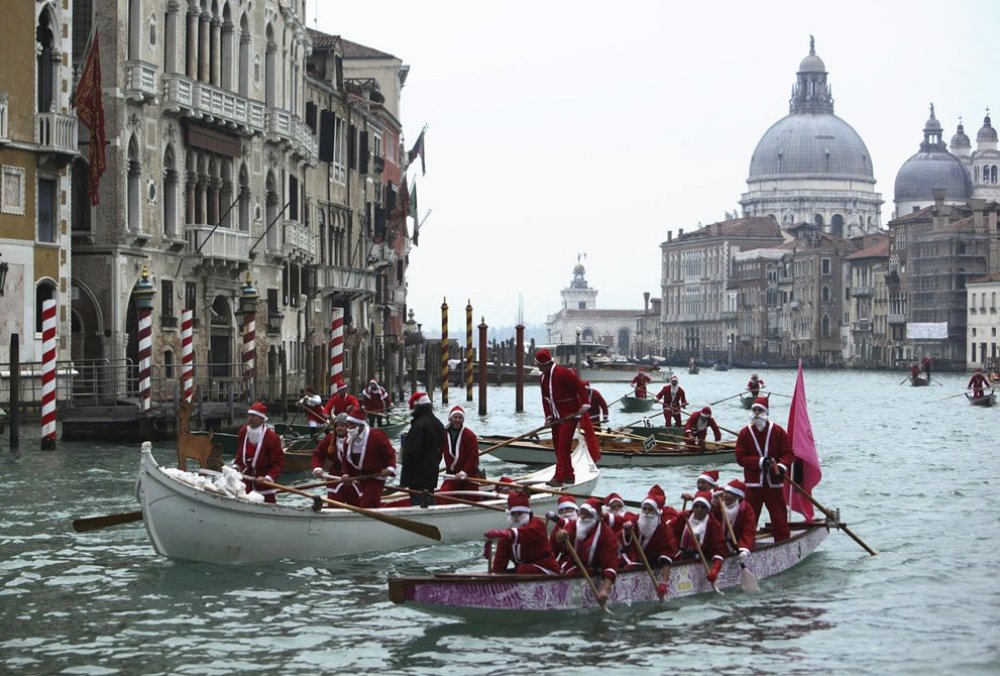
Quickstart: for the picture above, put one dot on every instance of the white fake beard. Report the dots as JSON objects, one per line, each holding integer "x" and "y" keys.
{"x": 647, "y": 524}
{"x": 583, "y": 528}
{"x": 699, "y": 526}
{"x": 352, "y": 435}
{"x": 255, "y": 434}
{"x": 759, "y": 421}
{"x": 617, "y": 509}
{"x": 518, "y": 519}
{"x": 733, "y": 511}
{"x": 569, "y": 516}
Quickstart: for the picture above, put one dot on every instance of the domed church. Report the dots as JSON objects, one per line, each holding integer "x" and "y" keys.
{"x": 811, "y": 166}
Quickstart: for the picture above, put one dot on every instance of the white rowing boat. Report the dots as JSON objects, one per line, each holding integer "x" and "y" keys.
{"x": 186, "y": 522}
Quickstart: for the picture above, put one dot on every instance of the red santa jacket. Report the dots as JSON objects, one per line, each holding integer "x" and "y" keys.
{"x": 562, "y": 392}
{"x": 753, "y": 446}
{"x": 639, "y": 383}
{"x": 697, "y": 426}
{"x": 375, "y": 402}
{"x": 598, "y": 551}
{"x": 266, "y": 459}
{"x": 658, "y": 547}
{"x": 464, "y": 457}
{"x": 755, "y": 386}
{"x": 598, "y": 407}
{"x": 713, "y": 544}
{"x": 370, "y": 453}
{"x": 528, "y": 546}
{"x": 673, "y": 398}
{"x": 339, "y": 403}
{"x": 978, "y": 381}
{"x": 325, "y": 452}
{"x": 744, "y": 526}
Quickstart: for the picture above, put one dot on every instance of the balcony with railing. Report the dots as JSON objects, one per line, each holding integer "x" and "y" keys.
{"x": 140, "y": 81}
{"x": 299, "y": 241}
{"x": 190, "y": 97}
{"x": 862, "y": 291}
{"x": 896, "y": 318}
{"x": 341, "y": 278}
{"x": 56, "y": 133}
{"x": 862, "y": 326}
{"x": 225, "y": 244}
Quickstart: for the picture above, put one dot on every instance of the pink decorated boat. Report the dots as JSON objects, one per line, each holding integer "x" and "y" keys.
{"x": 485, "y": 595}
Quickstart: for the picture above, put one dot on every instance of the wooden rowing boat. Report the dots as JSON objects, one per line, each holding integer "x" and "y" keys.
{"x": 985, "y": 400}
{"x": 489, "y": 596}
{"x": 191, "y": 523}
{"x": 636, "y": 405}
{"x": 621, "y": 452}
{"x": 919, "y": 381}
{"x": 746, "y": 400}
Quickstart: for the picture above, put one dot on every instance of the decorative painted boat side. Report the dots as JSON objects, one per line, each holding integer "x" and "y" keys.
{"x": 985, "y": 400}
{"x": 636, "y": 405}
{"x": 189, "y": 523}
{"x": 613, "y": 454}
{"x": 486, "y": 595}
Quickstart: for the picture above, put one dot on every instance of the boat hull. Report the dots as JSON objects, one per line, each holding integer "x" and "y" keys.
{"x": 746, "y": 400}
{"x": 986, "y": 400}
{"x": 917, "y": 381}
{"x": 486, "y": 595}
{"x": 188, "y": 523}
{"x": 636, "y": 405}
{"x": 541, "y": 453}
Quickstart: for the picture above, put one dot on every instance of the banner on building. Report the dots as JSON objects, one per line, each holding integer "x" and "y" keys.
{"x": 926, "y": 330}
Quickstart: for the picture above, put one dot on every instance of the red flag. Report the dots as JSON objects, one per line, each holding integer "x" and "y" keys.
{"x": 593, "y": 445}
{"x": 89, "y": 104}
{"x": 801, "y": 435}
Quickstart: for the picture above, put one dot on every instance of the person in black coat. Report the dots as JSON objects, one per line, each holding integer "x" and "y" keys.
{"x": 421, "y": 450}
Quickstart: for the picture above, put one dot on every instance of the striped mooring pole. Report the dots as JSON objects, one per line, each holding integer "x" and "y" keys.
{"x": 248, "y": 308}
{"x": 144, "y": 307}
{"x": 468, "y": 351}
{"x": 187, "y": 355}
{"x": 444, "y": 351}
{"x": 48, "y": 374}
{"x": 336, "y": 348}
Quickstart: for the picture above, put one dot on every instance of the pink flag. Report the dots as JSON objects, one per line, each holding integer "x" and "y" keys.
{"x": 801, "y": 435}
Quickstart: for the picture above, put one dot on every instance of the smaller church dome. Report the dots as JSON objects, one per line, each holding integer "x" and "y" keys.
{"x": 578, "y": 269}
{"x": 960, "y": 139}
{"x": 932, "y": 168}
{"x": 987, "y": 134}
{"x": 812, "y": 63}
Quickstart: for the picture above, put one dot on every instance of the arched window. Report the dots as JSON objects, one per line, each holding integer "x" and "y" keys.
{"x": 977, "y": 174}
{"x": 244, "y": 75}
{"x": 587, "y": 336}
{"x": 45, "y": 290}
{"x": 132, "y": 186}
{"x": 169, "y": 193}
{"x": 960, "y": 279}
{"x": 818, "y": 219}
{"x": 825, "y": 326}
{"x": 46, "y": 71}
{"x": 993, "y": 174}
{"x": 623, "y": 341}
{"x": 825, "y": 294}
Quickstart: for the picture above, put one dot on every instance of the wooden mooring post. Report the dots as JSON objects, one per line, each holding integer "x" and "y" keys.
{"x": 15, "y": 391}
{"x": 483, "y": 355}
{"x": 519, "y": 369}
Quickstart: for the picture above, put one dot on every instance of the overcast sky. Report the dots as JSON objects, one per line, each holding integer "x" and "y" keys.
{"x": 560, "y": 128}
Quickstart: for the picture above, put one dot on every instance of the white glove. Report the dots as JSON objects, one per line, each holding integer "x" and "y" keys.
{"x": 461, "y": 476}
{"x": 317, "y": 472}
{"x": 584, "y": 408}
{"x": 744, "y": 554}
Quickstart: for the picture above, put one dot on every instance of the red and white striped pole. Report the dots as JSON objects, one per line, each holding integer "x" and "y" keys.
{"x": 144, "y": 307}
{"x": 336, "y": 348}
{"x": 187, "y": 355}
{"x": 248, "y": 306}
{"x": 48, "y": 374}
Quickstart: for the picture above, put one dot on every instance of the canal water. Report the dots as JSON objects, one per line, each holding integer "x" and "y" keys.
{"x": 914, "y": 474}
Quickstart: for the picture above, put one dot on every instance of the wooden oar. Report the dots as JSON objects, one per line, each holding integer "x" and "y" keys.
{"x": 89, "y": 523}
{"x": 905, "y": 379}
{"x": 747, "y": 579}
{"x": 738, "y": 394}
{"x": 542, "y": 489}
{"x": 830, "y": 515}
{"x": 648, "y": 417}
{"x": 697, "y": 545}
{"x": 473, "y": 503}
{"x": 960, "y": 394}
{"x": 610, "y": 404}
{"x": 649, "y": 568}
{"x": 332, "y": 479}
{"x": 423, "y": 529}
{"x": 586, "y": 573}
{"x": 526, "y": 434}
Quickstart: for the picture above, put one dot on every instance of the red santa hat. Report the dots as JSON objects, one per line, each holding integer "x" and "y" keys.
{"x": 518, "y": 502}
{"x": 592, "y": 505}
{"x": 612, "y": 497}
{"x": 710, "y": 475}
{"x": 259, "y": 408}
{"x": 737, "y": 488}
{"x": 707, "y": 411}
{"x": 656, "y": 499}
{"x": 703, "y": 497}
{"x": 760, "y": 402}
{"x": 339, "y": 385}
{"x": 567, "y": 502}
{"x": 673, "y": 379}
{"x": 543, "y": 356}
{"x": 419, "y": 399}
{"x": 457, "y": 410}
{"x": 355, "y": 415}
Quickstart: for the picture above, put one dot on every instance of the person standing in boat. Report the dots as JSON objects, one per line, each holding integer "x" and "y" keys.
{"x": 914, "y": 370}
{"x": 755, "y": 385}
{"x": 421, "y": 450}
{"x": 925, "y": 366}
{"x": 639, "y": 383}
{"x": 708, "y": 532}
{"x": 312, "y": 404}
{"x": 764, "y": 452}
{"x": 978, "y": 383}
{"x": 375, "y": 402}
{"x": 651, "y": 532}
{"x": 596, "y": 545}
{"x": 340, "y": 400}
{"x": 259, "y": 453}
{"x": 362, "y": 451}
{"x": 524, "y": 542}
{"x": 696, "y": 428}
{"x": 674, "y": 400}
{"x": 598, "y": 407}
{"x": 741, "y": 517}
{"x": 460, "y": 451}
{"x": 565, "y": 402}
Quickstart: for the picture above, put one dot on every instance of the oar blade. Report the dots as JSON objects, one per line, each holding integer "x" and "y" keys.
{"x": 749, "y": 581}
{"x": 89, "y": 523}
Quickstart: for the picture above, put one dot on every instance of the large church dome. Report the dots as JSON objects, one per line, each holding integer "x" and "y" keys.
{"x": 933, "y": 167}
{"x": 806, "y": 144}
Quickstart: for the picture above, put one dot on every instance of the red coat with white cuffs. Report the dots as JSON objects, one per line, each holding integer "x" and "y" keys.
{"x": 713, "y": 544}
{"x": 744, "y": 526}
{"x": 370, "y": 453}
{"x": 562, "y": 392}
{"x": 673, "y": 398}
{"x": 658, "y": 547}
{"x": 529, "y": 550}
{"x": 266, "y": 459}
{"x": 698, "y": 424}
{"x": 598, "y": 551}
{"x": 464, "y": 457}
{"x": 753, "y": 447}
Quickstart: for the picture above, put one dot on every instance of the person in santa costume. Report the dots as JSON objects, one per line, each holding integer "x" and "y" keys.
{"x": 566, "y": 512}
{"x": 764, "y": 452}
{"x": 340, "y": 400}
{"x": 651, "y": 532}
{"x": 596, "y": 545}
{"x": 707, "y": 481}
{"x": 460, "y": 452}
{"x": 326, "y": 450}
{"x": 421, "y": 450}
{"x": 524, "y": 542}
{"x": 259, "y": 453}
{"x": 978, "y": 383}
{"x": 362, "y": 452}
{"x": 375, "y": 402}
{"x": 639, "y": 383}
{"x": 741, "y": 517}
{"x": 598, "y": 407}
{"x": 565, "y": 402}
{"x": 708, "y": 532}
{"x": 696, "y": 428}
{"x": 616, "y": 514}
{"x": 674, "y": 400}
{"x": 312, "y": 404}
{"x": 755, "y": 384}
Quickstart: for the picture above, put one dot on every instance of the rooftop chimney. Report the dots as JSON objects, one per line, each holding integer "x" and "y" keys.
{"x": 977, "y": 206}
